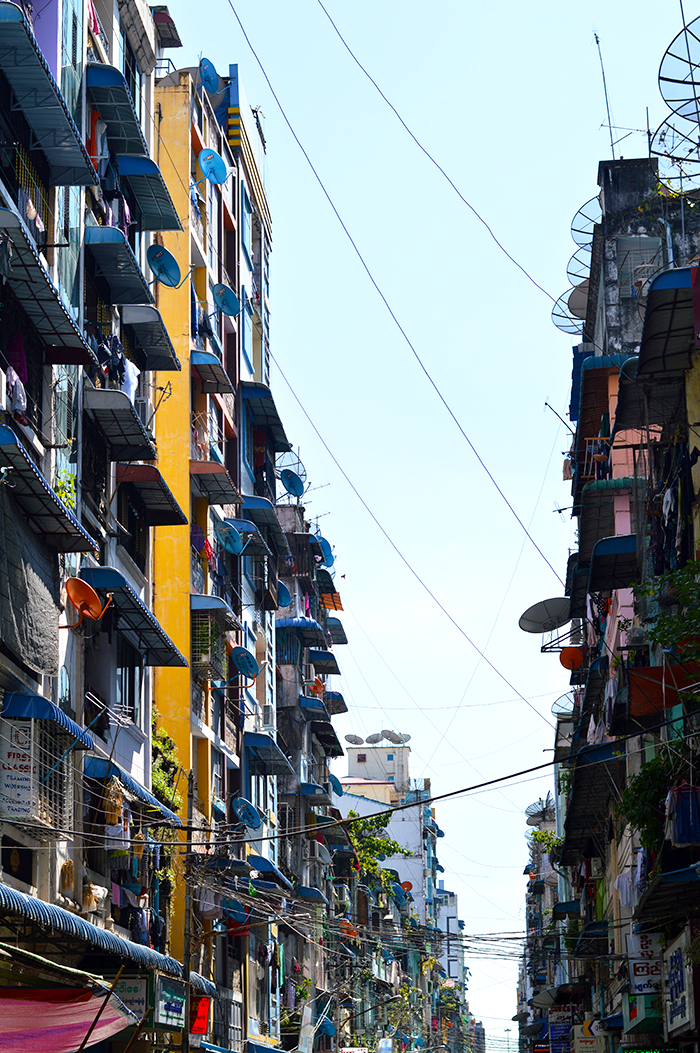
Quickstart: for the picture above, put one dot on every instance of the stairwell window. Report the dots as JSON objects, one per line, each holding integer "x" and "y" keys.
{"x": 129, "y": 681}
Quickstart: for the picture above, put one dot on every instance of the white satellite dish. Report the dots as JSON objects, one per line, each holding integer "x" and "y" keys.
{"x": 564, "y": 706}
{"x": 546, "y": 615}
{"x": 374, "y": 739}
{"x": 404, "y": 737}
{"x": 354, "y": 740}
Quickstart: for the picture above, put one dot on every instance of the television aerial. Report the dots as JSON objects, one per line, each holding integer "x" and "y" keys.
{"x": 291, "y": 473}
{"x": 547, "y": 615}
{"x": 355, "y": 740}
{"x": 374, "y": 739}
{"x": 164, "y": 266}
{"x": 679, "y": 73}
{"x": 85, "y": 600}
{"x": 208, "y": 76}
{"x": 226, "y": 300}
{"x": 676, "y": 144}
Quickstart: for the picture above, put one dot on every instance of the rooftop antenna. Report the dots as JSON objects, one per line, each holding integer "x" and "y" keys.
{"x": 605, "y": 89}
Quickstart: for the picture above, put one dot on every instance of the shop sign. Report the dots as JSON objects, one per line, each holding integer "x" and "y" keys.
{"x": 361, "y": 1049}
{"x": 199, "y": 1014}
{"x": 306, "y": 1033}
{"x": 561, "y": 1021}
{"x": 133, "y": 992}
{"x": 679, "y": 1004}
{"x": 644, "y": 959}
{"x": 640, "y": 1012}
{"x": 17, "y": 770}
{"x": 586, "y": 1040}
{"x": 170, "y": 1002}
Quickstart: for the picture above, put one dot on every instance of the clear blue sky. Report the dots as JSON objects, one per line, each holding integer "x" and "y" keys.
{"x": 509, "y": 99}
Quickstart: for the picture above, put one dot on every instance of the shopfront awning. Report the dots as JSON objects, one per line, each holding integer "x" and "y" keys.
{"x": 56, "y": 1019}
{"x": 312, "y": 708}
{"x": 337, "y": 630}
{"x": 118, "y": 421}
{"x": 35, "y": 707}
{"x": 614, "y": 563}
{"x": 149, "y": 337}
{"x": 212, "y": 374}
{"x": 117, "y": 266}
{"x": 44, "y": 509}
{"x": 161, "y": 508}
{"x": 133, "y": 618}
{"x": 307, "y": 629}
{"x": 652, "y": 689}
{"x": 324, "y": 662}
{"x": 316, "y": 793}
{"x": 262, "y": 512}
{"x": 334, "y": 702}
{"x": 211, "y": 481}
{"x": 264, "y": 413}
{"x": 266, "y": 753}
{"x": 154, "y": 205}
{"x": 266, "y": 866}
{"x": 326, "y": 735}
{"x": 255, "y": 544}
{"x": 668, "y": 335}
{"x": 107, "y": 91}
{"x": 101, "y": 769}
{"x": 311, "y": 893}
{"x": 217, "y": 607}
{"x": 53, "y": 130}
{"x": 30, "y": 282}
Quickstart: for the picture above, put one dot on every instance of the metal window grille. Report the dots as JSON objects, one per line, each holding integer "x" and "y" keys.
{"x": 209, "y": 659}
{"x": 54, "y": 776}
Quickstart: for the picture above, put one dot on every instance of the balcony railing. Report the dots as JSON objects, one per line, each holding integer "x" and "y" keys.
{"x": 206, "y": 439}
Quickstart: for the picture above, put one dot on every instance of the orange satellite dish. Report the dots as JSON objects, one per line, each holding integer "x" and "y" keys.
{"x": 85, "y": 600}
{"x": 571, "y": 657}
{"x": 407, "y": 886}
{"x": 346, "y": 928}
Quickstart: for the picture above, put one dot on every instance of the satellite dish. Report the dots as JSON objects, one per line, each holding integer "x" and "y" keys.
{"x": 226, "y": 300}
{"x": 291, "y": 473}
{"x": 326, "y": 549}
{"x": 374, "y": 739}
{"x": 546, "y": 615}
{"x": 676, "y": 144}
{"x": 387, "y": 734}
{"x": 208, "y": 76}
{"x": 245, "y": 662}
{"x": 85, "y": 600}
{"x": 392, "y": 736}
{"x": 571, "y": 657}
{"x": 579, "y": 266}
{"x": 407, "y": 886}
{"x": 679, "y": 81}
{"x": 354, "y": 740}
{"x": 578, "y": 300}
{"x": 585, "y": 220}
{"x": 164, "y": 266}
{"x": 336, "y": 784}
{"x": 347, "y": 928}
{"x": 563, "y": 318}
{"x": 628, "y": 369}
{"x": 284, "y": 596}
{"x": 323, "y": 854}
{"x": 405, "y": 738}
{"x": 564, "y": 706}
{"x": 230, "y": 538}
{"x": 246, "y": 813}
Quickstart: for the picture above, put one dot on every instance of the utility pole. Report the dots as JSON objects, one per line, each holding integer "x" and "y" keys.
{"x": 185, "y": 1047}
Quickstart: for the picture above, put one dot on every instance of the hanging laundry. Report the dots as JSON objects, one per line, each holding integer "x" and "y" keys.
{"x": 131, "y": 380}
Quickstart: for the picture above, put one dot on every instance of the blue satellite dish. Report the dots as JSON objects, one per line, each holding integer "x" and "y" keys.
{"x": 336, "y": 784}
{"x": 213, "y": 166}
{"x": 326, "y": 1027}
{"x": 284, "y": 596}
{"x": 226, "y": 300}
{"x": 164, "y": 266}
{"x": 328, "y": 557}
{"x": 246, "y": 813}
{"x": 245, "y": 662}
{"x": 209, "y": 76}
{"x": 230, "y": 538}
{"x": 292, "y": 483}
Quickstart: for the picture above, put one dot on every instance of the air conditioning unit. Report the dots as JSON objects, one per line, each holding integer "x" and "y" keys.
{"x": 145, "y": 412}
{"x": 313, "y": 850}
{"x": 597, "y": 868}
{"x": 342, "y": 896}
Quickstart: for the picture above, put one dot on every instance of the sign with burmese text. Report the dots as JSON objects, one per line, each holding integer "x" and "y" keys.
{"x": 644, "y": 957}
{"x": 561, "y": 1021}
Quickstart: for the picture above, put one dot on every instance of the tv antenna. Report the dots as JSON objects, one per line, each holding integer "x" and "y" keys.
{"x": 605, "y": 90}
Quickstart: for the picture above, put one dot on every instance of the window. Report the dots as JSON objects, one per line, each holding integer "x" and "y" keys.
{"x": 129, "y": 681}
{"x": 390, "y": 756}
{"x": 131, "y": 71}
{"x": 390, "y": 778}
{"x": 217, "y": 774}
{"x": 361, "y": 758}
{"x": 246, "y": 225}
{"x": 131, "y": 516}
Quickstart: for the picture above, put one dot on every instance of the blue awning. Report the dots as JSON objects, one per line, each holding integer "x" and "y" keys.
{"x": 668, "y": 335}
{"x": 569, "y": 909}
{"x": 201, "y": 985}
{"x": 133, "y": 618}
{"x": 614, "y": 1022}
{"x": 258, "y": 1047}
{"x": 117, "y": 266}
{"x": 262, "y": 512}
{"x": 53, "y": 130}
{"x": 334, "y": 702}
{"x": 161, "y": 508}
{"x": 114, "y": 413}
{"x": 592, "y": 940}
{"x": 312, "y": 893}
{"x": 211, "y": 1048}
{"x": 31, "y": 283}
{"x": 264, "y": 413}
{"x": 211, "y": 371}
{"x": 218, "y": 607}
{"x": 154, "y": 204}
{"x": 266, "y": 753}
{"x": 108, "y": 92}
{"x": 266, "y": 866}
{"x": 149, "y": 337}
{"x": 102, "y": 769}
{"x": 312, "y": 708}
{"x": 317, "y": 793}
{"x": 614, "y": 563}
{"x": 35, "y": 707}
{"x": 307, "y": 629}
{"x": 44, "y": 509}
{"x": 324, "y": 662}
{"x": 337, "y": 630}
{"x": 238, "y": 867}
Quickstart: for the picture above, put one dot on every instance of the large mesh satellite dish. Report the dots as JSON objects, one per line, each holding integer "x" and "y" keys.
{"x": 374, "y": 739}
{"x": 676, "y": 144}
{"x": 578, "y": 300}
{"x": 564, "y": 706}
{"x": 404, "y": 737}
{"x": 354, "y": 740}
{"x": 679, "y": 73}
{"x": 291, "y": 473}
{"x": 585, "y": 220}
{"x": 579, "y": 266}
{"x": 547, "y": 615}
{"x": 392, "y": 736}
{"x": 540, "y": 811}
{"x": 563, "y": 317}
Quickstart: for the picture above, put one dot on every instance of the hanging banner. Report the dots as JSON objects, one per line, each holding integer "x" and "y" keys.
{"x": 171, "y": 1002}
{"x": 644, "y": 960}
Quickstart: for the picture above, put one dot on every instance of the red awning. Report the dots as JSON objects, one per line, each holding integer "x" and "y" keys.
{"x": 56, "y": 1020}
{"x": 655, "y": 688}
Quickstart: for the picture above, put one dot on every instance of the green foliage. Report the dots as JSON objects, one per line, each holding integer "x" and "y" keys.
{"x": 678, "y": 624}
{"x": 571, "y": 935}
{"x": 165, "y": 765}
{"x": 64, "y": 486}
{"x": 565, "y": 780}
{"x": 547, "y": 839}
{"x": 370, "y": 841}
{"x": 303, "y": 987}
{"x": 642, "y": 800}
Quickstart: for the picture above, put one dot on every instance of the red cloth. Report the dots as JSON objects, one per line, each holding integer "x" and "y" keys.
{"x": 34, "y": 1020}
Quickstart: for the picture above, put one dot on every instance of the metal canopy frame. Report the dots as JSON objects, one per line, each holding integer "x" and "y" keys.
{"x": 337, "y": 630}
{"x": 116, "y": 264}
{"x": 134, "y": 619}
{"x": 264, "y": 413}
{"x": 158, "y": 499}
{"x": 44, "y": 509}
{"x": 39, "y": 98}
{"x": 614, "y": 563}
{"x": 212, "y": 374}
{"x": 307, "y": 629}
{"x": 324, "y": 662}
{"x": 267, "y": 753}
{"x": 216, "y": 606}
{"x": 120, "y": 424}
{"x": 153, "y": 201}
{"x": 668, "y": 335}
{"x": 262, "y": 512}
{"x": 211, "y": 481}
{"x": 107, "y": 90}
{"x": 151, "y": 339}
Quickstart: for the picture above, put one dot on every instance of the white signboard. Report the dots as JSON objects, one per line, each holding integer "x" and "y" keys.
{"x": 17, "y": 770}
{"x": 385, "y": 1045}
{"x": 354, "y": 1049}
{"x": 679, "y": 1007}
{"x": 133, "y": 993}
{"x": 306, "y": 1034}
{"x": 644, "y": 954}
